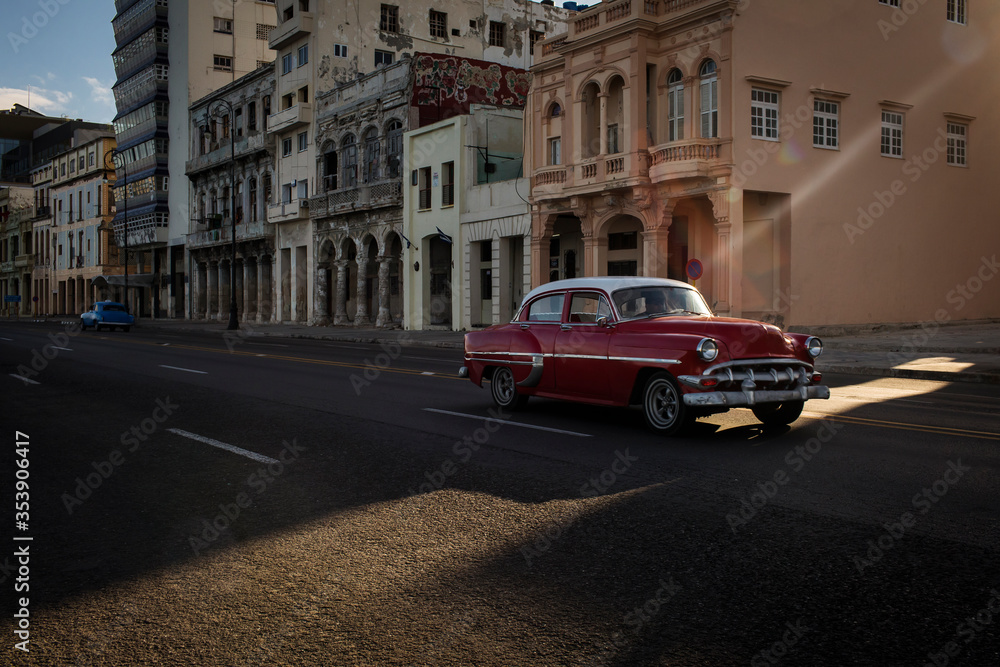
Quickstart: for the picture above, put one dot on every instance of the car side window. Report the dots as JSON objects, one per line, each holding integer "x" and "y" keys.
{"x": 546, "y": 309}
{"x": 587, "y": 308}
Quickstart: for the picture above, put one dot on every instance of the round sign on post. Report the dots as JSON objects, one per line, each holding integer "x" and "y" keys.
{"x": 694, "y": 269}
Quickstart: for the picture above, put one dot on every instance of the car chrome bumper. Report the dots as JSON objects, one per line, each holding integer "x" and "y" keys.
{"x": 735, "y": 399}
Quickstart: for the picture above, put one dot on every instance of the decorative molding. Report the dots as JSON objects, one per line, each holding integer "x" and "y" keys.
{"x": 896, "y": 106}
{"x": 831, "y": 94}
{"x": 766, "y": 81}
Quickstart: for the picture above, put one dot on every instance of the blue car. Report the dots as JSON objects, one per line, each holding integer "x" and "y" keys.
{"x": 107, "y": 314}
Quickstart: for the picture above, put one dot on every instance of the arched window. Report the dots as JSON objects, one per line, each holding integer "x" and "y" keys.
{"x": 709, "y": 99}
{"x": 349, "y": 150}
{"x": 371, "y": 168}
{"x": 675, "y": 105}
{"x": 556, "y": 111}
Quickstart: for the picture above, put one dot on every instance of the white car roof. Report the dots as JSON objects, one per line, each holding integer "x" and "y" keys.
{"x": 606, "y": 283}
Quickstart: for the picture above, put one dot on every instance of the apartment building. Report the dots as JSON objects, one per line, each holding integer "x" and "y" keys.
{"x": 322, "y": 45}
{"x": 85, "y": 258}
{"x": 169, "y": 54}
{"x": 231, "y": 175}
{"x": 43, "y": 267}
{"x": 16, "y": 211}
{"x": 826, "y": 163}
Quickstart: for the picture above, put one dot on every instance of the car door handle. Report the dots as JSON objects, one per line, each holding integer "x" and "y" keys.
{"x": 566, "y": 327}
{"x": 525, "y": 326}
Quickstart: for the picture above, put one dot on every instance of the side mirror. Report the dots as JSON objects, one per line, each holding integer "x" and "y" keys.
{"x": 602, "y": 322}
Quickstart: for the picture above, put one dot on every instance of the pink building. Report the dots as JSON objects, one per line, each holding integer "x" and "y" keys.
{"x": 827, "y": 162}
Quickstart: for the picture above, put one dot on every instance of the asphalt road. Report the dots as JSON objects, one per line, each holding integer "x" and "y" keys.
{"x": 196, "y": 500}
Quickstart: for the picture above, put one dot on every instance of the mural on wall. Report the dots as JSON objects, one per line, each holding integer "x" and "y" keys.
{"x": 444, "y": 86}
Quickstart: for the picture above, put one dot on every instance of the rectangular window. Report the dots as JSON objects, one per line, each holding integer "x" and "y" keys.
{"x": 251, "y": 116}
{"x": 625, "y": 268}
{"x": 497, "y": 32}
{"x": 303, "y": 186}
{"x": 303, "y": 54}
{"x": 534, "y": 36}
{"x": 383, "y": 58}
{"x": 224, "y": 25}
{"x": 239, "y": 121}
{"x": 81, "y": 164}
{"x": 90, "y": 159}
{"x": 223, "y": 63}
{"x": 623, "y": 241}
{"x": 889, "y": 3}
{"x": 764, "y": 114}
{"x": 286, "y": 147}
{"x": 958, "y": 11}
{"x": 826, "y": 124}
{"x": 439, "y": 24}
{"x": 389, "y": 21}
{"x": 286, "y": 193}
{"x": 424, "y": 183}
{"x": 340, "y": 50}
{"x": 448, "y": 184}
{"x": 675, "y": 113}
{"x": 613, "y": 146}
{"x": 957, "y": 144}
{"x": 286, "y": 63}
{"x": 555, "y": 150}
{"x": 892, "y": 134}
{"x": 303, "y": 141}
{"x": 72, "y": 166}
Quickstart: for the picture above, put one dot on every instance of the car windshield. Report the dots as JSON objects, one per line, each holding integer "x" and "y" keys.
{"x": 655, "y": 301}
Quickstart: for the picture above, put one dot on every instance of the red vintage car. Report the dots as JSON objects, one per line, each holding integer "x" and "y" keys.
{"x": 643, "y": 341}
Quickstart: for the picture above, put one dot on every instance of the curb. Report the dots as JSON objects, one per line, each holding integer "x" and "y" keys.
{"x": 914, "y": 374}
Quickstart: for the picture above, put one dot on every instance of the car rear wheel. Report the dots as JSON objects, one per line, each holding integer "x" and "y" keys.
{"x": 663, "y": 406}
{"x": 504, "y": 390}
{"x": 778, "y": 414}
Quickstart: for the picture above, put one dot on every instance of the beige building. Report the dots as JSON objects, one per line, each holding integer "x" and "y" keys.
{"x": 85, "y": 257}
{"x": 43, "y": 267}
{"x": 826, "y": 163}
{"x": 16, "y": 211}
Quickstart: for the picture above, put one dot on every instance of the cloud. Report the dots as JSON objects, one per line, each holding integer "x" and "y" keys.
{"x": 99, "y": 92}
{"x": 51, "y": 102}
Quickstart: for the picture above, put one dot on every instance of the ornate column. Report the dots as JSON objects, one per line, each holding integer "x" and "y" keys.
{"x": 340, "y": 298}
{"x": 384, "y": 317}
{"x": 240, "y": 288}
{"x": 212, "y": 300}
{"x": 723, "y": 251}
{"x": 224, "y": 287}
{"x": 320, "y": 314}
{"x": 603, "y": 129}
{"x": 657, "y": 218}
{"x": 361, "y": 318}
{"x": 264, "y": 298}
{"x": 250, "y": 280}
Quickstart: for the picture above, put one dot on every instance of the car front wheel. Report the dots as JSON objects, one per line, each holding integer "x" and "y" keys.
{"x": 505, "y": 391}
{"x": 663, "y": 407}
{"x": 778, "y": 414}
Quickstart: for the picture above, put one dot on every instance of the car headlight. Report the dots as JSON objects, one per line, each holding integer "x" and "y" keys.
{"x": 814, "y": 346}
{"x": 707, "y": 349}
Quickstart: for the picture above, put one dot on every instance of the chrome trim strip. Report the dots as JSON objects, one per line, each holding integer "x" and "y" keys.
{"x": 547, "y": 355}
{"x": 647, "y": 360}
{"x": 740, "y": 398}
{"x": 779, "y": 361}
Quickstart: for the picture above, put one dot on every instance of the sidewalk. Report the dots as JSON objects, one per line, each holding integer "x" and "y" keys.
{"x": 964, "y": 352}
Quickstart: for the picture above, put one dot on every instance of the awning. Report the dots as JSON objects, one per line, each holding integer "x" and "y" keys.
{"x": 134, "y": 279}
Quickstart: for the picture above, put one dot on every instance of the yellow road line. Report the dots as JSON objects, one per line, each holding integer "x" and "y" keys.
{"x": 902, "y": 426}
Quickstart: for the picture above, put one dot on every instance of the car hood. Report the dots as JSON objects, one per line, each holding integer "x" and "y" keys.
{"x": 742, "y": 339}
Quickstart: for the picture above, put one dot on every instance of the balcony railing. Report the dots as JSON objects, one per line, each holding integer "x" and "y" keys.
{"x": 6, "y": 267}
{"x": 300, "y": 114}
{"x": 245, "y": 231}
{"x": 22, "y": 261}
{"x": 604, "y": 14}
{"x": 363, "y": 196}
{"x": 550, "y": 176}
{"x": 692, "y": 157}
{"x": 297, "y": 209}
{"x": 221, "y": 154}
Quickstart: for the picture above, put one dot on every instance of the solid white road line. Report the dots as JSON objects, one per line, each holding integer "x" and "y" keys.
{"x": 222, "y": 445}
{"x": 507, "y": 422}
{"x": 9, "y": 340}
{"x": 68, "y": 349}
{"x": 23, "y": 379}
{"x": 186, "y": 370}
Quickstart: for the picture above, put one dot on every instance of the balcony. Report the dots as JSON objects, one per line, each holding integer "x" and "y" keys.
{"x": 245, "y": 231}
{"x": 6, "y": 267}
{"x": 292, "y": 117}
{"x": 692, "y": 158}
{"x": 288, "y": 211}
{"x": 299, "y": 25}
{"x": 23, "y": 261}
{"x": 362, "y": 197}
{"x": 550, "y": 180}
{"x": 220, "y": 156}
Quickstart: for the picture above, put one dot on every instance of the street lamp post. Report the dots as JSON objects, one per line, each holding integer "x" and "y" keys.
{"x": 214, "y": 110}
{"x": 117, "y": 158}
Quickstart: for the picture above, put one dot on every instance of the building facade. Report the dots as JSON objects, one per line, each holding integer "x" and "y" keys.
{"x": 810, "y": 189}
{"x": 170, "y": 53}
{"x": 16, "y": 212}
{"x": 231, "y": 176}
{"x": 85, "y": 253}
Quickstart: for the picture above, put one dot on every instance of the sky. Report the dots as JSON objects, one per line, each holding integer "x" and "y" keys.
{"x": 62, "y": 50}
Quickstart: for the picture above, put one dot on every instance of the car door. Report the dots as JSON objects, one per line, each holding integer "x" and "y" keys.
{"x": 581, "y": 347}
{"x": 539, "y": 323}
